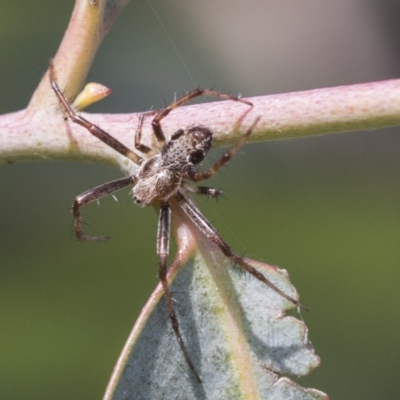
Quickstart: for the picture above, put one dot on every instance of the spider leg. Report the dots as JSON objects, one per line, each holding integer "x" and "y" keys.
{"x": 158, "y": 132}
{"x": 211, "y": 233}
{"x": 163, "y": 236}
{"x": 93, "y": 129}
{"x": 210, "y": 192}
{"x": 225, "y": 158}
{"x": 138, "y": 135}
{"x": 92, "y": 195}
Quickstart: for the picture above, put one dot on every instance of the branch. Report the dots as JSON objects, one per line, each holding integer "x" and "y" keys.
{"x": 41, "y": 132}
{"x": 89, "y": 23}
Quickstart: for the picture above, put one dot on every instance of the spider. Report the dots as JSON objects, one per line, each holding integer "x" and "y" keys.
{"x": 162, "y": 176}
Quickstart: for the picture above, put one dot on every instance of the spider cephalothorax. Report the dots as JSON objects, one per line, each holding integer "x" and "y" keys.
{"x": 162, "y": 176}
{"x": 187, "y": 148}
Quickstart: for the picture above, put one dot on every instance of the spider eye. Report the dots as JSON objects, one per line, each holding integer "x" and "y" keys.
{"x": 196, "y": 156}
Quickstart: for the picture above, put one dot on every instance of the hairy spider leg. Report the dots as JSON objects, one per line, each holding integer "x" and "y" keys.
{"x": 211, "y": 233}
{"x": 202, "y": 190}
{"x": 195, "y": 93}
{"x": 94, "y": 194}
{"x": 163, "y": 236}
{"x": 93, "y": 129}
{"x": 138, "y": 135}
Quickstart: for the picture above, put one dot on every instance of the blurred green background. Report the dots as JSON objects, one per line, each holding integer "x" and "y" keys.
{"x": 327, "y": 209}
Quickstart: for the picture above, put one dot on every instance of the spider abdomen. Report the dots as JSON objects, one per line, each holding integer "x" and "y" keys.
{"x": 155, "y": 182}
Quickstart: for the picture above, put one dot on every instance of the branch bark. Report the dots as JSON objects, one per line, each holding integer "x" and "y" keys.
{"x": 41, "y": 132}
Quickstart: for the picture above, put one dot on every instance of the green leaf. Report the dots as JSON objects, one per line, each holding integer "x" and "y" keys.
{"x": 234, "y": 328}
